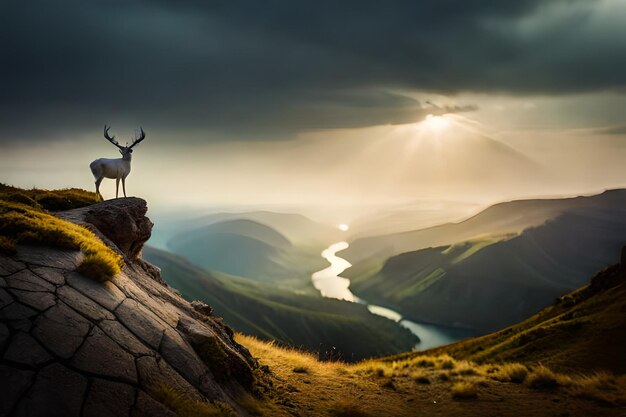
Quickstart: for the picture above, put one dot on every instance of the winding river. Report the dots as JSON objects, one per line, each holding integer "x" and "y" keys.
{"x": 328, "y": 282}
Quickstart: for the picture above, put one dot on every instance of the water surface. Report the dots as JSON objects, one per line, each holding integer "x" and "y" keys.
{"x": 331, "y": 285}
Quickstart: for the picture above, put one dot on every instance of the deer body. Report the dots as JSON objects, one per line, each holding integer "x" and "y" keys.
{"x": 118, "y": 168}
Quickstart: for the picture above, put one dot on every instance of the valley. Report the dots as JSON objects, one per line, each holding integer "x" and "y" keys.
{"x": 443, "y": 283}
{"x": 313, "y": 354}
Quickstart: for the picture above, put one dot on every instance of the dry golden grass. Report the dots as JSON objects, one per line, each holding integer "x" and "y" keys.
{"x": 188, "y": 407}
{"x": 421, "y": 376}
{"x": 402, "y": 386}
{"x": 511, "y": 372}
{"x": 52, "y": 200}
{"x": 423, "y": 362}
{"x": 348, "y": 409}
{"x": 542, "y": 378}
{"x": 445, "y": 362}
{"x": 466, "y": 368}
{"x": 601, "y": 387}
{"x": 464, "y": 390}
{"x": 27, "y": 224}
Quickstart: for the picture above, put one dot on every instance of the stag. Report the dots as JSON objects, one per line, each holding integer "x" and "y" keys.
{"x": 115, "y": 168}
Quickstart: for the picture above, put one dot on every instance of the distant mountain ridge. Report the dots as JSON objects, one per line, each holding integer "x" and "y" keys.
{"x": 494, "y": 281}
{"x": 238, "y": 247}
{"x": 498, "y": 219}
{"x": 251, "y": 229}
{"x": 297, "y": 228}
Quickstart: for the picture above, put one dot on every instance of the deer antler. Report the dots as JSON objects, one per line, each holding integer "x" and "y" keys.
{"x": 139, "y": 139}
{"x": 109, "y": 138}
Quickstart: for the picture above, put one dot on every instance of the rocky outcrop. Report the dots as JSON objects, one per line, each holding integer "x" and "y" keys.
{"x": 121, "y": 223}
{"x": 72, "y": 346}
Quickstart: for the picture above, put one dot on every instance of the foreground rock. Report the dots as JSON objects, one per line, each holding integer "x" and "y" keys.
{"x": 72, "y": 346}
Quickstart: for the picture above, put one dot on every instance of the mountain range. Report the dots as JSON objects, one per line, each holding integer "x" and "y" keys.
{"x": 89, "y": 327}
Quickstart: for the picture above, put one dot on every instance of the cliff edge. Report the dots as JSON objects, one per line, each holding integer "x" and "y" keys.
{"x": 71, "y": 345}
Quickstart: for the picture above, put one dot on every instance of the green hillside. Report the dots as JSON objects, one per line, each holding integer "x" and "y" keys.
{"x": 499, "y": 219}
{"x": 488, "y": 284}
{"x": 272, "y": 313}
{"x": 295, "y": 227}
{"x": 567, "y": 360}
{"x": 584, "y": 330}
{"x": 244, "y": 248}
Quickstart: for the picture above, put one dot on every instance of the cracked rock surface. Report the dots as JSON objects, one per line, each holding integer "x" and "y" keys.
{"x": 71, "y": 346}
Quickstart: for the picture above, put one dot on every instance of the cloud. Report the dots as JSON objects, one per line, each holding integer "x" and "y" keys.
{"x": 612, "y": 130}
{"x": 242, "y": 69}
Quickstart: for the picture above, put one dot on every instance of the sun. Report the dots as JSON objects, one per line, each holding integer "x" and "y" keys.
{"x": 343, "y": 227}
{"x": 435, "y": 123}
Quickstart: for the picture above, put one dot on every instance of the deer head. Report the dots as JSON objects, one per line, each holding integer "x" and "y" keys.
{"x": 127, "y": 150}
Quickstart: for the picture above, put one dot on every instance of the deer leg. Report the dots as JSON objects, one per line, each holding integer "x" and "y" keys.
{"x": 117, "y": 186}
{"x": 98, "y": 181}
{"x": 124, "y": 185}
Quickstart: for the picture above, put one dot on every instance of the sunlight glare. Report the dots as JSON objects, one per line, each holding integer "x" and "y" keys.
{"x": 435, "y": 123}
{"x": 343, "y": 227}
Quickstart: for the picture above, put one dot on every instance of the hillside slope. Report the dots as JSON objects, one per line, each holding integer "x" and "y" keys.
{"x": 237, "y": 247}
{"x": 493, "y": 282}
{"x": 567, "y": 360}
{"x": 128, "y": 345}
{"x": 272, "y": 313}
{"x": 71, "y": 345}
{"x": 499, "y": 219}
{"x": 583, "y": 330}
{"x": 295, "y": 227}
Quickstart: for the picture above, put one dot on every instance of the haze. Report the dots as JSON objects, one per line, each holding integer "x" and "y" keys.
{"x": 318, "y": 106}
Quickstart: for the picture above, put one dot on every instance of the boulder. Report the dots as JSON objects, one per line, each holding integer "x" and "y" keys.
{"x": 122, "y": 221}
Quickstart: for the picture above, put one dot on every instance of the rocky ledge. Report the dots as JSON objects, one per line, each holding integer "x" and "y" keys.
{"x": 71, "y": 346}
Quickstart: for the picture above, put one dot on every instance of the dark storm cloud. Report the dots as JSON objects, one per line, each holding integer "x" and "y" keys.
{"x": 267, "y": 70}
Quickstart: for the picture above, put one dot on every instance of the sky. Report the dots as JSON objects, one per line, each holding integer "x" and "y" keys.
{"x": 317, "y": 103}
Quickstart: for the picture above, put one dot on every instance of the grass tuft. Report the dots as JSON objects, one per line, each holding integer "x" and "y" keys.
{"x": 98, "y": 267}
{"x": 542, "y": 378}
{"x": 424, "y": 363}
{"x": 184, "y": 406}
{"x": 601, "y": 387}
{"x": 464, "y": 390}
{"x": 420, "y": 377}
{"x": 511, "y": 372}
{"x": 446, "y": 362}
{"x": 466, "y": 368}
